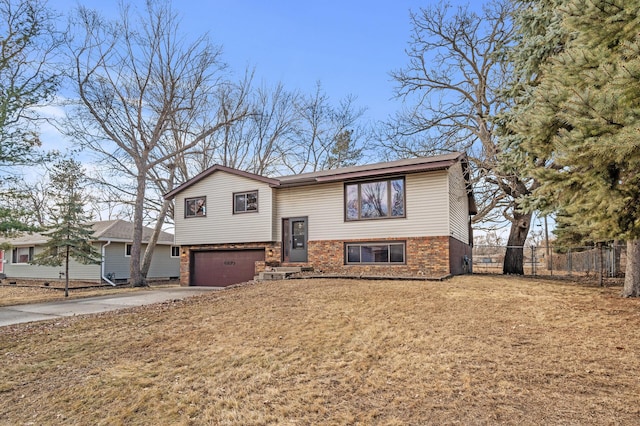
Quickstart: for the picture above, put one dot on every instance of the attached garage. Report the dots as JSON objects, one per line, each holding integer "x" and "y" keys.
{"x": 221, "y": 268}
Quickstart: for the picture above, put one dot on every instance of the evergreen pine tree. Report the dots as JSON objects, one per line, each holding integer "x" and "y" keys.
{"x": 70, "y": 234}
{"x": 585, "y": 118}
{"x": 343, "y": 153}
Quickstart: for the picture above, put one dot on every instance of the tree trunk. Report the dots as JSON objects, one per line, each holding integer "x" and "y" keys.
{"x": 632, "y": 273}
{"x": 66, "y": 274}
{"x": 514, "y": 256}
{"x": 151, "y": 245}
{"x": 136, "y": 277}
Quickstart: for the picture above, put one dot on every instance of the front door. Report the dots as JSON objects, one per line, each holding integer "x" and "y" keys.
{"x": 294, "y": 239}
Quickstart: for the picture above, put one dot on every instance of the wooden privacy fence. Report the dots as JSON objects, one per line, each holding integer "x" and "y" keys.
{"x": 607, "y": 261}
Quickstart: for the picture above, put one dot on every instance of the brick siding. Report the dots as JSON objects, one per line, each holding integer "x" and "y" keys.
{"x": 458, "y": 250}
{"x": 432, "y": 257}
{"x": 271, "y": 256}
{"x": 425, "y": 256}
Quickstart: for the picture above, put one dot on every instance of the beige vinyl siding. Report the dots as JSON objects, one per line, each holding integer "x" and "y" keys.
{"x": 77, "y": 271}
{"x": 220, "y": 225}
{"x": 427, "y": 206}
{"x": 458, "y": 204}
{"x": 275, "y": 227}
{"x": 162, "y": 264}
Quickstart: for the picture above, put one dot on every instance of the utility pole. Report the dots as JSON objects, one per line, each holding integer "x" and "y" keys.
{"x": 548, "y": 249}
{"x": 546, "y": 235}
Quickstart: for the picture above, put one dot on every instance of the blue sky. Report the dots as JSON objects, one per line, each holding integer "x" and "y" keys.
{"x": 348, "y": 46}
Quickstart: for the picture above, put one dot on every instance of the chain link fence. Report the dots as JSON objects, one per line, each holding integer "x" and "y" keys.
{"x": 601, "y": 261}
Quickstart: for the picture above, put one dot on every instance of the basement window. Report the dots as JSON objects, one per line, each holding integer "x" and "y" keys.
{"x": 375, "y": 253}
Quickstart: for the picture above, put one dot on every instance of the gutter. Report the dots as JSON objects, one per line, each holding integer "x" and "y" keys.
{"x": 104, "y": 251}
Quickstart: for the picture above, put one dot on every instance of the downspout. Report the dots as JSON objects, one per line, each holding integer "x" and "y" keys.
{"x": 104, "y": 252}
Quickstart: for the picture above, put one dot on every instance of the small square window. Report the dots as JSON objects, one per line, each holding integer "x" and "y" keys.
{"x": 22, "y": 255}
{"x": 175, "y": 251}
{"x": 245, "y": 202}
{"x": 195, "y": 207}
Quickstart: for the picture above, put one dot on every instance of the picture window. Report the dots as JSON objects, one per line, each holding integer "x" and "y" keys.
{"x": 375, "y": 200}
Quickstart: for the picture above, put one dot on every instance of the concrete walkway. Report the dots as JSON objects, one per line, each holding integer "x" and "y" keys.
{"x": 91, "y": 305}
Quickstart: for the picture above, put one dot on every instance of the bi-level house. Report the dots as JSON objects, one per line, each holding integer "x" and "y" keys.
{"x": 402, "y": 218}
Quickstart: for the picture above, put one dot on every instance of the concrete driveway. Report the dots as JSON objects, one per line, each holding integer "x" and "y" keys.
{"x": 91, "y": 305}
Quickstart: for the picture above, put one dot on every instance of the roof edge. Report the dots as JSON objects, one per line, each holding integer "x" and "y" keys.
{"x": 215, "y": 168}
{"x": 415, "y": 168}
{"x": 130, "y": 241}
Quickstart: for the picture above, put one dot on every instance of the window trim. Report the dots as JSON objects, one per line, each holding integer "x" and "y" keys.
{"x": 245, "y": 194}
{"x": 127, "y": 249}
{"x": 171, "y": 252}
{"x": 389, "y": 199}
{"x": 186, "y": 210}
{"x": 14, "y": 255}
{"x": 361, "y": 244}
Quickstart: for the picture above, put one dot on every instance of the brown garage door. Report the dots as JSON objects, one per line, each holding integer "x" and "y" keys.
{"x": 220, "y": 268}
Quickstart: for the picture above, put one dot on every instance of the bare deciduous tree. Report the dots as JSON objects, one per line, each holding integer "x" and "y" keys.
{"x": 257, "y": 143}
{"x": 320, "y": 129}
{"x": 133, "y": 78}
{"x": 453, "y": 85}
{"x": 28, "y": 44}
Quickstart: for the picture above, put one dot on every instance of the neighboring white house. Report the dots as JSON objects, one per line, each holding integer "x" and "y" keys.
{"x": 112, "y": 239}
{"x": 408, "y": 217}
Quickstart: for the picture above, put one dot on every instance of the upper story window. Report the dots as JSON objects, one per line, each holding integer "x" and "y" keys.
{"x": 375, "y": 200}
{"x": 245, "y": 202}
{"x": 22, "y": 255}
{"x": 195, "y": 207}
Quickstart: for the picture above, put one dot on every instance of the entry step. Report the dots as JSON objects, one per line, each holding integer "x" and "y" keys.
{"x": 279, "y": 273}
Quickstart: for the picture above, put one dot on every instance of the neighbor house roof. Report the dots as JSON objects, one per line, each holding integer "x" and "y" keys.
{"x": 409, "y": 165}
{"x": 121, "y": 230}
{"x": 26, "y": 239}
{"x": 107, "y": 230}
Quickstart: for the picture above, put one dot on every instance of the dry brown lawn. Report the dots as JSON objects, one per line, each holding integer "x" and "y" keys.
{"x": 10, "y": 296}
{"x": 471, "y": 350}
{"x": 35, "y": 292}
